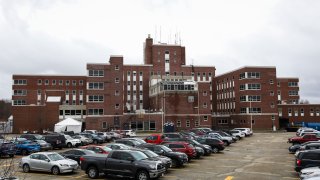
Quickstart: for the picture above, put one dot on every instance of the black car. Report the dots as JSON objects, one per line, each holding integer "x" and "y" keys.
{"x": 32, "y": 137}
{"x": 216, "y": 144}
{"x": 296, "y": 147}
{"x": 128, "y": 142}
{"x": 178, "y": 158}
{"x": 310, "y": 158}
{"x": 310, "y": 146}
{"x": 154, "y": 156}
{"x": 56, "y": 140}
{"x": 95, "y": 138}
{"x": 75, "y": 154}
{"x": 7, "y": 148}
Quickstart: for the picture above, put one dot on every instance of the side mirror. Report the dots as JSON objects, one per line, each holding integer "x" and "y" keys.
{"x": 47, "y": 160}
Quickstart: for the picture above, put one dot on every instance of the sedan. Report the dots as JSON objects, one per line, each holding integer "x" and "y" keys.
{"x": 44, "y": 146}
{"x": 48, "y": 162}
{"x": 118, "y": 146}
{"x": 75, "y": 154}
{"x": 98, "y": 149}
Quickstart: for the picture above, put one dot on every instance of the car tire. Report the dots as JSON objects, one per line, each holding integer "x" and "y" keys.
{"x": 143, "y": 175}
{"x": 55, "y": 170}
{"x": 215, "y": 150}
{"x": 93, "y": 172}
{"x": 24, "y": 152}
{"x": 175, "y": 163}
{"x": 26, "y": 168}
{"x": 69, "y": 145}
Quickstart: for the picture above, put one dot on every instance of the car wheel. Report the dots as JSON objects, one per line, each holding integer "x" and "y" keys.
{"x": 215, "y": 150}
{"x": 24, "y": 152}
{"x": 175, "y": 163}
{"x": 95, "y": 142}
{"x": 26, "y": 168}
{"x": 225, "y": 143}
{"x": 143, "y": 175}
{"x": 69, "y": 145}
{"x": 93, "y": 172}
{"x": 55, "y": 170}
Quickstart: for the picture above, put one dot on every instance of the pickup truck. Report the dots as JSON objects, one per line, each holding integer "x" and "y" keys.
{"x": 303, "y": 139}
{"x": 124, "y": 163}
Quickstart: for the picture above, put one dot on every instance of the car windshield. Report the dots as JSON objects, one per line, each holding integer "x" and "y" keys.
{"x": 138, "y": 155}
{"x": 150, "y": 153}
{"x": 68, "y": 137}
{"x": 166, "y": 149}
{"x": 55, "y": 157}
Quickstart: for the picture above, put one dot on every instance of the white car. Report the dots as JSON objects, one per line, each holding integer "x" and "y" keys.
{"x": 246, "y": 131}
{"x": 309, "y": 172}
{"x": 129, "y": 133}
{"x": 71, "y": 142}
{"x": 237, "y": 133}
{"x": 48, "y": 162}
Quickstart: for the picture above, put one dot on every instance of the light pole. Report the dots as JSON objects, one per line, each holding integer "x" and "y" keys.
{"x": 250, "y": 111}
{"x": 163, "y": 110}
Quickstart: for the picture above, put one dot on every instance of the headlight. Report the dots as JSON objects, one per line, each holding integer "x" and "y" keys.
{"x": 64, "y": 165}
{"x": 152, "y": 166}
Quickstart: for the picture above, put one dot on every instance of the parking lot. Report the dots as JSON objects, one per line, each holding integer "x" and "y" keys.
{"x": 262, "y": 156}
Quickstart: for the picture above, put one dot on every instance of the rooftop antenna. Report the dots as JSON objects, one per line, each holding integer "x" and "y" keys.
{"x": 155, "y": 36}
{"x": 160, "y": 35}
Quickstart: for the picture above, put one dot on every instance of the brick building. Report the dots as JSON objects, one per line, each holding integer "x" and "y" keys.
{"x": 144, "y": 97}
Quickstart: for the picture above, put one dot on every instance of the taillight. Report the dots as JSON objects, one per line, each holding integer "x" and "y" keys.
{"x": 298, "y": 162}
{"x": 81, "y": 159}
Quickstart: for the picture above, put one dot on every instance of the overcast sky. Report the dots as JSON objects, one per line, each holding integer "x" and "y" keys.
{"x": 61, "y": 36}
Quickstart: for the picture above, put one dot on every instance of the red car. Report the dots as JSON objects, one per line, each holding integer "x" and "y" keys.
{"x": 97, "y": 149}
{"x": 182, "y": 147}
{"x": 155, "y": 139}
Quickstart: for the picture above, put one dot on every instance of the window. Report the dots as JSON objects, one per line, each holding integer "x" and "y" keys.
{"x": 104, "y": 125}
{"x": 20, "y": 82}
{"x": 96, "y": 85}
{"x": 39, "y": 92}
{"x": 242, "y": 76}
{"x": 222, "y": 121}
{"x": 254, "y": 86}
{"x": 117, "y": 80}
{"x": 253, "y": 75}
{"x": 117, "y": 93}
{"x": 60, "y": 82}
{"x": 204, "y": 93}
{"x": 19, "y": 102}
{"x": 39, "y": 82}
{"x": 289, "y": 112}
{"x": 205, "y": 118}
{"x": 178, "y": 123}
{"x": 73, "y": 102}
{"x": 67, "y": 82}
{"x": 74, "y": 92}
{"x": 278, "y": 84}
{"x": 117, "y": 106}
{"x": 95, "y": 98}
{"x": 140, "y": 73}
{"x": 254, "y": 110}
{"x": 96, "y": 73}
{"x": 243, "y": 110}
{"x": 243, "y": 99}
{"x": 95, "y": 111}
{"x": 271, "y": 81}
{"x": 54, "y": 82}
{"x": 273, "y": 117}
{"x": 80, "y": 82}
{"x": 271, "y": 93}
{"x": 74, "y": 82}
{"x": 204, "y": 105}
{"x": 116, "y": 67}
{"x": 293, "y": 84}
{"x": 302, "y": 112}
{"x": 254, "y": 98}
{"x": 293, "y": 93}
{"x": 46, "y": 82}
{"x": 242, "y": 87}
{"x": 190, "y": 99}
{"x": 188, "y": 123}
{"x": 272, "y": 105}
{"x": 311, "y": 112}
{"x": 20, "y": 92}
{"x": 196, "y": 123}
{"x": 67, "y": 92}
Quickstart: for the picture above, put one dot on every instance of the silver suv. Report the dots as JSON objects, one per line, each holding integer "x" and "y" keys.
{"x": 246, "y": 131}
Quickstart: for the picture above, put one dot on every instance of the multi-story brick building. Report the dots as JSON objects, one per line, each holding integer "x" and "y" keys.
{"x": 144, "y": 97}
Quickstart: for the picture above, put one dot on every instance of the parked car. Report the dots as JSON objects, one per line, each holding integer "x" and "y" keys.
{"x": 227, "y": 140}
{"x": 114, "y": 135}
{"x": 310, "y": 146}
{"x": 216, "y": 144}
{"x": 106, "y": 137}
{"x": 44, "y": 146}
{"x": 307, "y": 173}
{"x": 188, "y": 135}
{"x": 84, "y": 140}
{"x": 237, "y": 133}
{"x": 129, "y": 133}
{"x": 206, "y": 148}
{"x": 178, "y": 158}
{"x": 75, "y": 154}
{"x": 172, "y": 135}
{"x": 48, "y": 162}
{"x": 303, "y": 139}
{"x": 120, "y": 146}
{"x": 98, "y": 149}
{"x": 153, "y": 156}
{"x": 155, "y": 138}
{"x": 137, "y": 164}
{"x": 90, "y": 131}
{"x": 7, "y": 148}
{"x": 305, "y": 159}
{"x": 56, "y": 140}
{"x": 25, "y": 147}
{"x": 95, "y": 138}
{"x": 128, "y": 142}
{"x": 32, "y": 137}
{"x": 141, "y": 141}
{"x": 184, "y": 147}
{"x": 198, "y": 132}
{"x": 71, "y": 142}
{"x": 307, "y": 131}
{"x": 296, "y": 147}
{"x": 246, "y": 131}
